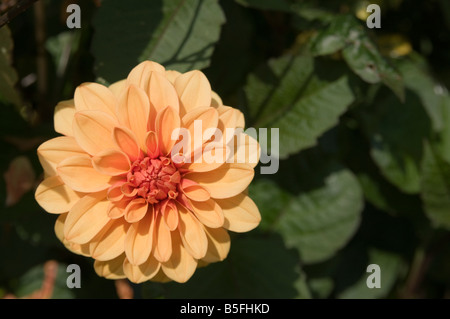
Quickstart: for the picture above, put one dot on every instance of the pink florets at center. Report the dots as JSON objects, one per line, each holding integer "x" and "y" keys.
{"x": 154, "y": 179}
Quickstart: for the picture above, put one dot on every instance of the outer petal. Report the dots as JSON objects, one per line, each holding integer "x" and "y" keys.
{"x": 172, "y": 75}
{"x": 200, "y": 123}
{"x": 136, "y": 210}
{"x": 246, "y": 150}
{"x": 111, "y": 269}
{"x": 126, "y": 140}
{"x": 194, "y": 90}
{"x": 111, "y": 162}
{"x": 162, "y": 240}
{"x": 133, "y": 111}
{"x": 94, "y": 96}
{"x": 63, "y": 117}
{"x": 166, "y": 122}
{"x": 86, "y": 218}
{"x": 79, "y": 174}
{"x": 216, "y": 101}
{"x": 241, "y": 213}
{"x": 226, "y": 181}
{"x": 218, "y": 244}
{"x": 209, "y": 213}
{"x": 92, "y": 130}
{"x": 161, "y": 94}
{"x": 75, "y": 248}
{"x": 192, "y": 234}
{"x": 194, "y": 191}
{"x": 181, "y": 265}
{"x": 53, "y": 151}
{"x": 56, "y": 197}
{"x": 117, "y": 87}
{"x": 146, "y": 271}
{"x": 109, "y": 242}
{"x": 139, "y": 240}
{"x": 141, "y": 74}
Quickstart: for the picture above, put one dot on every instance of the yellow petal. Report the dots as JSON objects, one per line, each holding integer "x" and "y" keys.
{"x": 171, "y": 75}
{"x": 78, "y": 173}
{"x": 162, "y": 240}
{"x": 126, "y": 140}
{"x": 216, "y": 101}
{"x": 193, "y": 90}
{"x": 92, "y": 130}
{"x": 56, "y": 197}
{"x": 133, "y": 112}
{"x": 192, "y": 234}
{"x": 86, "y": 218}
{"x": 117, "y": 209}
{"x": 94, "y": 96}
{"x": 145, "y": 271}
{"x": 161, "y": 277}
{"x": 111, "y": 269}
{"x": 82, "y": 249}
{"x": 161, "y": 94}
{"x": 53, "y": 151}
{"x": 136, "y": 210}
{"x": 109, "y": 242}
{"x": 117, "y": 87}
{"x": 151, "y": 142}
{"x": 111, "y": 162}
{"x": 181, "y": 265}
{"x": 200, "y": 123}
{"x": 194, "y": 191}
{"x": 241, "y": 213}
{"x": 166, "y": 122}
{"x": 208, "y": 213}
{"x": 228, "y": 180}
{"x": 246, "y": 150}
{"x": 139, "y": 240}
{"x": 211, "y": 157}
{"x": 218, "y": 244}
{"x": 63, "y": 117}
{"x": 141, "y": 74}
{"x": 170, "y": 216}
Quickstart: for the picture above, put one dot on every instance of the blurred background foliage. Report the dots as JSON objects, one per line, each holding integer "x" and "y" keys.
{"x": 364, "y": 122}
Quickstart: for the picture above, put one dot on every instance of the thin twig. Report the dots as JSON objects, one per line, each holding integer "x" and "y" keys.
{"x": 20, "y": 7}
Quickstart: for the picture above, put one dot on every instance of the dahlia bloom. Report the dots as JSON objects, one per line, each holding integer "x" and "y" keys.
{"x": 126, "y": 197}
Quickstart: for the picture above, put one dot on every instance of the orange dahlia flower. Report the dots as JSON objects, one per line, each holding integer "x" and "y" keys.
{"x": 125, "y": 198}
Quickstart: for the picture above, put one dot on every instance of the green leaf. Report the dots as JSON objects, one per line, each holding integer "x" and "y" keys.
{"x": 396, "y": 131}
{"x": 275, "y": 5}
{"x": 346, "y": 34}
{"x": 33, "y": 279}
{"x": 321, "y": 221}
{"x": 179, "y": 34}
{"x": 390, "y": 266}
{"x": 270, "y": 199}
{"x": 289, "y": 93}
{"x": 436, "y": 187}
{"x": 255, "y": 268}
{"x": 8, "y": 75}
{"x": 418, "y": 79}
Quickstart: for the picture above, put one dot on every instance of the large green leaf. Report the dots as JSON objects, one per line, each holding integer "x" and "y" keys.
{"x": 321, "y": 221}
{"x": 276, "y": 5}
{"x": 347, "y": 35}
{"x": 390, "y": 265}
{"x": 179, "y": 34}
{"x": 289, "y": 93}
{"x": 255, "y": 268}
{"x": 436, "y": 187}
{"x": 8, "y": 75}
{"x": 33, "y": 279}
{"x": 396, "y": 131}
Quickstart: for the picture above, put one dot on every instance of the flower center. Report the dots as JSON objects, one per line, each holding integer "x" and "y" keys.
{"x": 154, "y": 179}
